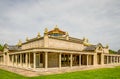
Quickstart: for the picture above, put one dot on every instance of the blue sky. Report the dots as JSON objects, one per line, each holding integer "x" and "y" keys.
{"x": 98, "y": 20}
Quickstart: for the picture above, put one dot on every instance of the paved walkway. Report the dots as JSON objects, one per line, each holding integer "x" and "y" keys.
{"x": 39, "y": 72}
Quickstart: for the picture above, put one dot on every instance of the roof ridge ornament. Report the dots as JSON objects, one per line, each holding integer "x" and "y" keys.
{"x": 19, "y": 43}
{"x": 56, "y": 27}
{"x": 27, "y": 39}
{"x": 38, "y": 36}
{"x": 46, "y": 31}
{"x": 107, "y": 46}
{"x": 67, "y": 34}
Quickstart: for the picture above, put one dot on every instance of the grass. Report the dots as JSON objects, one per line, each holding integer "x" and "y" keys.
{"x": 105, "y": 73}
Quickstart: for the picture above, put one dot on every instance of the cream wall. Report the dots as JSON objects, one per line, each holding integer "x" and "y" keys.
{"x": 106, "y": 50}
{"x": 54, "y": 43}
{"x": 34, "y": 44}
{"x": 53, "y": 59}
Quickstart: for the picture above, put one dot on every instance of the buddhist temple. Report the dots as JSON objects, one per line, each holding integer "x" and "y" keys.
{"x": 56, "y": 49}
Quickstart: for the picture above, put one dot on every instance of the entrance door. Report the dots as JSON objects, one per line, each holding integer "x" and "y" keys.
{"x": 37, "y": 60}
{"x": 99, "y": 58}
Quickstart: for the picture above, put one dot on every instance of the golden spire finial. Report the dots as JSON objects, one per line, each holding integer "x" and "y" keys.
{"x": 56, "y": 26}
{"x": 46, "y": 30}
{"x": 83, "y": 38}
{"x": 87, "y": 40}
{"x": 38, "y": 36}
{"x": 67, "y": 33}
{"x": 27, "y": 39}
{"x": 107, "y": 46}
{"x": 19, "y": 43}
{"x": 67, "y": 36}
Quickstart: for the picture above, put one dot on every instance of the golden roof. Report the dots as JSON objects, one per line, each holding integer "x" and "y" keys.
{"x": 56, "y": 30}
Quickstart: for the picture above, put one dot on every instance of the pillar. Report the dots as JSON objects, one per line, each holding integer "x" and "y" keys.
{"x": 87, "y": 59}
{"x": 107, "y": 59}
{"x": 80, "y": 60}
{"x": 111, "y": 59}
{"x": 34, "y": 59}
{"x": 29, "y": 60}
{"x": 114, "y": 59}
{"x": 21, "y": 59}
{"x": 95, "y": 59}
{"x": 8, "y": 59}
{"x": 59, "y": 60}
{"x": 117, "y": 59}
{"x": 16, "y": 60}
{"x": 26, "y": 59}
{"x": 71, "y": 62}
{"x": 46, "y": 60}
{"x": 12, "y": 60}
{"x": 102, "y": 59}
{"x": 4, "y": 59}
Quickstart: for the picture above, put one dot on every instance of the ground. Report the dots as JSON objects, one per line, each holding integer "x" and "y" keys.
{"x": 104, "y": 73}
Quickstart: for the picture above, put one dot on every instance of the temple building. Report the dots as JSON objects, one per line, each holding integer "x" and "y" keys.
{"x": 56, "y": 49}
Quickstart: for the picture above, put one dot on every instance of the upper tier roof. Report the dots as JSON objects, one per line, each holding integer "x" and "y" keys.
{"x": 56, "y": 30}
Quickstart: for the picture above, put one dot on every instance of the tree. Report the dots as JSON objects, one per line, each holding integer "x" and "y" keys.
{"x": 118, "y": 51}
{"x": 1, "y": 47}
{"x": 112, "y": 51}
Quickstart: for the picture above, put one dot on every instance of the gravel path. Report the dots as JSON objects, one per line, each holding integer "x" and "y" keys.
{"x": 38, "y": 72}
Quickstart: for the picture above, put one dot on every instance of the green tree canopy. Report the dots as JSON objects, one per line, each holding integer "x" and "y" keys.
{"x": 112, "y": 51}
{"x": 1, "y": 47}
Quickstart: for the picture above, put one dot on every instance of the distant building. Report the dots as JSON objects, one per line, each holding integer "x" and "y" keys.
{"x": 56, "y": 49}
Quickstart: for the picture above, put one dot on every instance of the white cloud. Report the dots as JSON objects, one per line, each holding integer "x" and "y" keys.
{"x": 97, "y": 20}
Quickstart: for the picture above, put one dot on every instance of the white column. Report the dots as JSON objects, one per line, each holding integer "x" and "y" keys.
{"x": 107, "y": 59}
{"x": 114, "y": 59}
{"x": 71, "y": 62}
{"x": 87, "y": 59}
{"x": 59, "y": 60}
{"x": 80, "y": 60}
{"x": 29, "y": 61}
{"x": 16, "y": 60}
{"x": 102, "y": 59}
{"x": 8, "y": 59}
{"x": 21, "y": 60}
{"x": 12, "y": 60}
{"x": 110, "y": 59}
{"x": 95, "y": 59}
{"x": 26, "y": 59}
{"x": 46, "y": 60}
{"x": 117, "y": 59}
{"x": 4, "y": 59}
{"x": 34, "y": 59}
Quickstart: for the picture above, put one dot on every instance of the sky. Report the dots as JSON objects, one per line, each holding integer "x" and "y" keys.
{"x": 97, "y": 20}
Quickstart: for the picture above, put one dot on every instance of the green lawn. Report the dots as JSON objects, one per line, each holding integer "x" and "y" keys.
{"x": 106, "y": 73}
